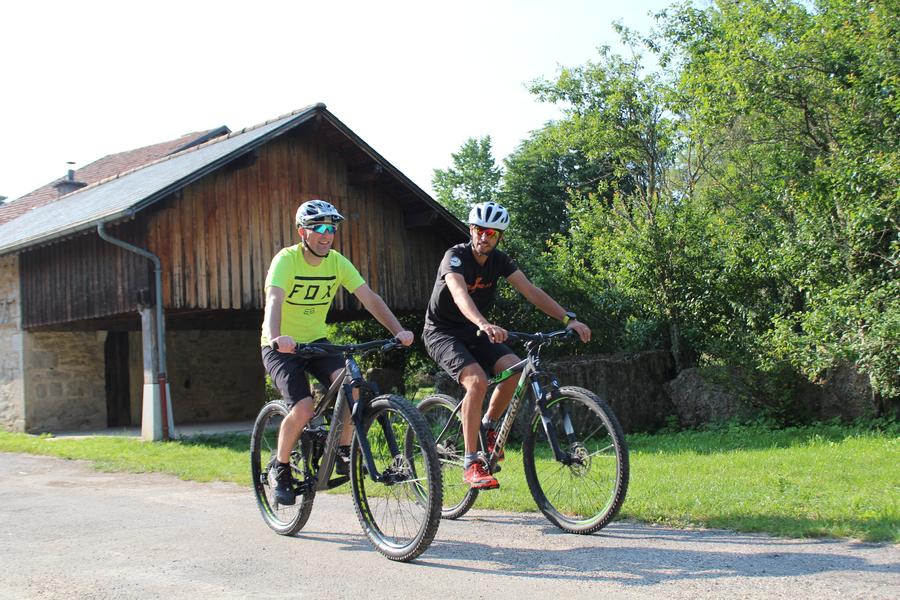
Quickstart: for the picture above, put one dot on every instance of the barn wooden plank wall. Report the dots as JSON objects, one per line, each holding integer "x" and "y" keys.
{"x": 217, "y": 236}
{"x": 83, "y": 278}
{"x": 216, "y": 241}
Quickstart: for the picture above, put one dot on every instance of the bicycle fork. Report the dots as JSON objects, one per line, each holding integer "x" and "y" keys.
{"x": 561, "y": 412}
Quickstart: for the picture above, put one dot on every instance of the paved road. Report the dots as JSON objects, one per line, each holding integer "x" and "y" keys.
{"x": 69, "y": 531}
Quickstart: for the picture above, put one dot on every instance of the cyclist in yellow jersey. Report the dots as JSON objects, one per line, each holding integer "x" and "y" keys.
{"x": 301, "y": 284}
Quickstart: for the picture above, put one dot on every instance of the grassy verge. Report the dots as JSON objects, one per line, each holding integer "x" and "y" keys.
{"x": 827, "y": 480}
{"x": 824, "y": 480}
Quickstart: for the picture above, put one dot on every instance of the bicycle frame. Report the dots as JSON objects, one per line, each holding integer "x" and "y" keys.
{"x": 529, "y": 367}
{"x": 340, "y": 392}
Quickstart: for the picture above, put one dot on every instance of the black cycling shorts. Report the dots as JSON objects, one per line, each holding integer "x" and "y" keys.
{"x": 453, "y": 351}
{"x": 288, "y": 372}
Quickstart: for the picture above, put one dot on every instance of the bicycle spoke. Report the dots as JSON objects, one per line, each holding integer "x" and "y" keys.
{"x": 400, "y": 512}
{"x": 582, "y": 496}
{"x": 285, "y": 520}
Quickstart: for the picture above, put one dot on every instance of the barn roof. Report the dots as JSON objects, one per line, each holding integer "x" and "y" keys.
{"x": 123, "y": 195}
{"x": 105, "y": 168}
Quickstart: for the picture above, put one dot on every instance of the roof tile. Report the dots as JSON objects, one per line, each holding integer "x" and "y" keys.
{"x": 103, "y": 168}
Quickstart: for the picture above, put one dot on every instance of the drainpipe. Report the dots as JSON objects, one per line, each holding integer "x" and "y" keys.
{"x": 160, "y": 322}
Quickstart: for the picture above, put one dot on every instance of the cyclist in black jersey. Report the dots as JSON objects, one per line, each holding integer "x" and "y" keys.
{"x": 464, "y": 290}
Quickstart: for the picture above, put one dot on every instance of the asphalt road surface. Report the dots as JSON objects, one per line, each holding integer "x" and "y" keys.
{"x": 67, "y": 531}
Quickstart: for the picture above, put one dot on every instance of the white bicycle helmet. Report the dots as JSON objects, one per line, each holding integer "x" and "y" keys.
{"x": 490, "y": 215}
{"x": 316, "y": 212}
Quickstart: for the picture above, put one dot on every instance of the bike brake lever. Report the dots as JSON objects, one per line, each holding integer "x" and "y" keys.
{"x": 309, "y": 349}
{"x": 393, "y": 344}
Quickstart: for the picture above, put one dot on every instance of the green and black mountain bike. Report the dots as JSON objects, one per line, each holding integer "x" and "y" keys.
{"x": 573, "y": 450}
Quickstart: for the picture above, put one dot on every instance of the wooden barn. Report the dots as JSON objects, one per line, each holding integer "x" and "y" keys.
{"x": 87, "y": 267}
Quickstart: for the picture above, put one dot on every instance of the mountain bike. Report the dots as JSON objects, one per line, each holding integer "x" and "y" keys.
{"x": 394, "y": 472}
{"x": 573, "y": 452}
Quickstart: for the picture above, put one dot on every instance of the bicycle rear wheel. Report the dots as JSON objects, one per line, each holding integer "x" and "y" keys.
{"x": 401, "y": 511}
{"x": 583, "y": 493}
{"x": 446, "y": 427}
{"x": 285, "y": 520}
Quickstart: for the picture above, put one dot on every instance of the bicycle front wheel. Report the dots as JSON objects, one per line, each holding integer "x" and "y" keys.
{"x": 399, "y": 507}
{"x": 584, "y": 491}
{"x": 446, "y": 427}
{"x": 286, "y": 520}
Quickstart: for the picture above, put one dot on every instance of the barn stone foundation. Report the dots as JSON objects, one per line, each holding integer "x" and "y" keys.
{"x": 65, "y": 384}
{"x": 213, "y": 375}
{"x": 12, "y": 383}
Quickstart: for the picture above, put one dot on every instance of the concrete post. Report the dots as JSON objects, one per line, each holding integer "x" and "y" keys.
{"x": 151, "y": 409}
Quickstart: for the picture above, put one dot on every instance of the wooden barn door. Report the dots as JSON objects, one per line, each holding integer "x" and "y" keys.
{"x": 118, "y": 395}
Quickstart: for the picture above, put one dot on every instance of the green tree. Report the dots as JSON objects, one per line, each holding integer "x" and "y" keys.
{"x": 539, "y": 179}
{"x": 798, "y": 104}
{"x": 637, "y": 238}
{"x": 473, "y": 178}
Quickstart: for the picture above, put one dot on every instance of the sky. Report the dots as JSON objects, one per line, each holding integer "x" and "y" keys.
{"x": 414, "y": 79}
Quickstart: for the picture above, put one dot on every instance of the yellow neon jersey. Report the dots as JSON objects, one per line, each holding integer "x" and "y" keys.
{"x": 308, "y": 290}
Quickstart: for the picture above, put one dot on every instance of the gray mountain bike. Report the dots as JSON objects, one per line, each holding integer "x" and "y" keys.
{"x": 395, "y": 476}
{"x": 573, "y": 452}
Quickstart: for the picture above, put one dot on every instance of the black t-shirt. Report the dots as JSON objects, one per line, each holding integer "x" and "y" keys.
{"x": 442, "y": 313}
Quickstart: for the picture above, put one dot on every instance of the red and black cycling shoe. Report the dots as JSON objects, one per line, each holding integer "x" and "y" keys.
{"x": 478, "y": 478}
{"x": 491, "y": 442}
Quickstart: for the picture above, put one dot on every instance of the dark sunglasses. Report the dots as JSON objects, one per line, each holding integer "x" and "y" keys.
{"x": 323, "y": 228}
{"x": 491, "y": 233}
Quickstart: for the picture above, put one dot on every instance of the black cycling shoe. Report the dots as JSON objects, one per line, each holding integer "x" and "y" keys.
{"x": 342, "y": 461}
{"x": 284, "y": 488}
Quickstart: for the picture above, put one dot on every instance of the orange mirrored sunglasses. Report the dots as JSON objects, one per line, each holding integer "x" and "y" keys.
{"x": 491, "y": 233}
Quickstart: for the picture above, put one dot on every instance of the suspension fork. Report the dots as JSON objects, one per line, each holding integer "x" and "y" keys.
{"x": 543, "y": 398}
{"x": 357, "y": 410}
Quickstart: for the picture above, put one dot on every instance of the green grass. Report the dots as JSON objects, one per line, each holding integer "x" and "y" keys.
{"x": 211, "y": 458}
{"x": 817, "y": 481}
{"x": 826, "y": 480}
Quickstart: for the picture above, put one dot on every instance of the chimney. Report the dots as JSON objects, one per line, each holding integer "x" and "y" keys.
{"x": 68, "y": 185}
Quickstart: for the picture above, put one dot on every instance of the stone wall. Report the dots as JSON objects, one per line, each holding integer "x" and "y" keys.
{"x": 634, "y": 385}
{"x": 702, "y": 399}
{"x": 213, "y": 375}
{"x": 12, "y": 388}
{"x": 65, "y": 381}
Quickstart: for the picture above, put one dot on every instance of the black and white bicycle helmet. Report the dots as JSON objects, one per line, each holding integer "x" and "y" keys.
{"x": 316, "y": 212}
{"x": 490, "y": 215}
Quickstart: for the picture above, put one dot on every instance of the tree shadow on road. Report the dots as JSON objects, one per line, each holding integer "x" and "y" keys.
{"x": 640, "y": 555}
{"x": 634, "y": 555}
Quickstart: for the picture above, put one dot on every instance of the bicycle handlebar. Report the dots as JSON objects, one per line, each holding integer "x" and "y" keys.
{"x": 539, "y": 337}
{"x": 323, "y": 349}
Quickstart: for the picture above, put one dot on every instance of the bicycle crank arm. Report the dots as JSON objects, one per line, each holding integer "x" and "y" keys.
{"x": 337, "y": 481}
